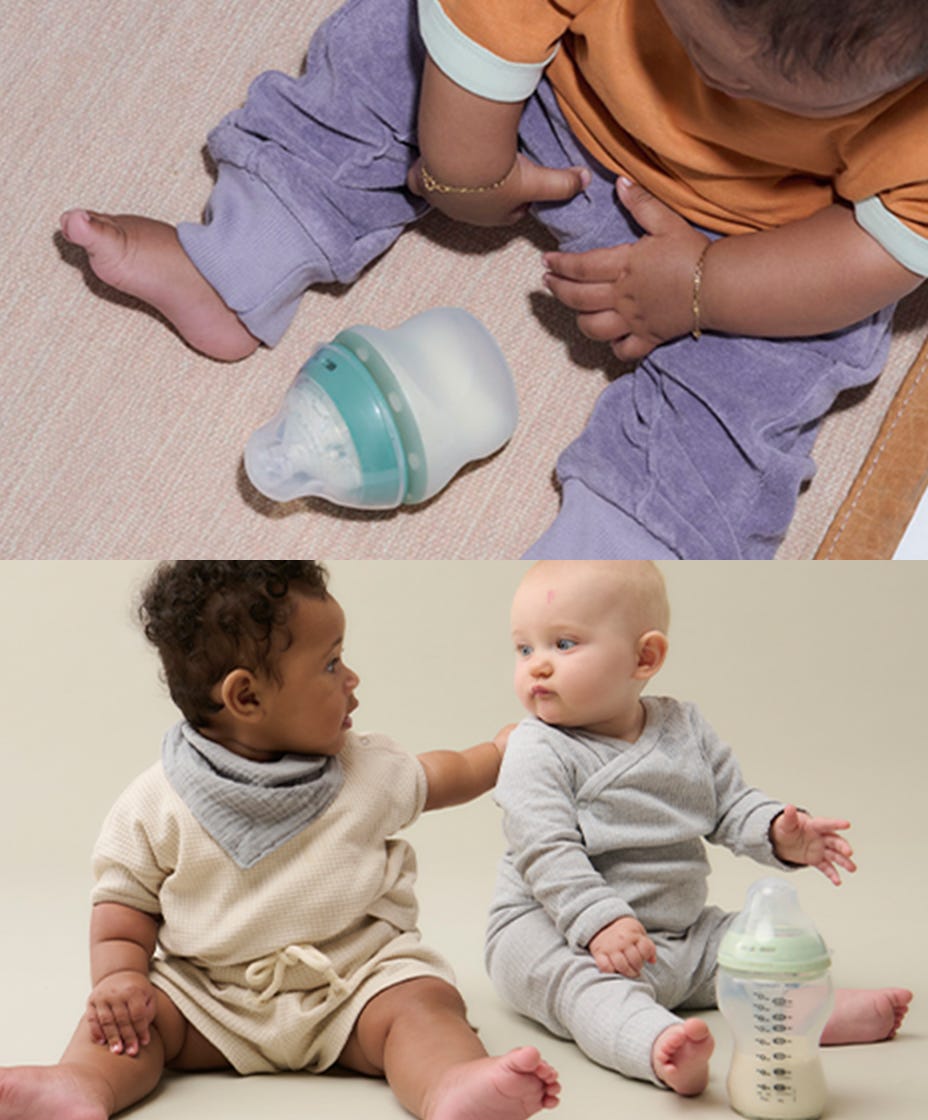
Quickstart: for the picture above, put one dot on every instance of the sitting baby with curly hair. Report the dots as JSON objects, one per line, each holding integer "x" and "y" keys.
{"x": 252, "y": 908}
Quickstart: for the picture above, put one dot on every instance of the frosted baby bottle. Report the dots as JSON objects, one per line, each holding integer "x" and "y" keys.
{"x": 378, "y": 418}
{"x": 775, "y": 992}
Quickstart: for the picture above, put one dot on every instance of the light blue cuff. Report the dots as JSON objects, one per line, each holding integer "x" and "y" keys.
{"x": 474, "y": 67}
{"x": 903, "y": 244}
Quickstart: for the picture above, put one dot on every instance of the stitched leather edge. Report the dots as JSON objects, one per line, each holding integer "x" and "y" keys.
{"x": 873, "y": 517}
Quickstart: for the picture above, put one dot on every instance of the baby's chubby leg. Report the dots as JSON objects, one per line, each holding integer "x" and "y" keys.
{"x": 40, "y": 1092}
{"x": 416, "y": 1034}
{"x": 311, "y": 188}
{"x": 91, "y": 1082}
{"x": 142, "y": 257}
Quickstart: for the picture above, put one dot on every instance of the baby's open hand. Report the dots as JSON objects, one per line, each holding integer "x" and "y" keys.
{"x": 623, "y": 946}
{"x": 120, "y": 1010}
{"x": 814, "y": 841}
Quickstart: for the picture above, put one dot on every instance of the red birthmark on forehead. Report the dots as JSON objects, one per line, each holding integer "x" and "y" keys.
{"x": 550, "y": 596}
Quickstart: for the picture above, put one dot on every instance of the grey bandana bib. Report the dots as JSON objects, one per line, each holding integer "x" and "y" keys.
{"x": 249, "y": 808}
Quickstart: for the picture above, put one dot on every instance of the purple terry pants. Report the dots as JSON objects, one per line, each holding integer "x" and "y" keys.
{"x": 698, "y": 454}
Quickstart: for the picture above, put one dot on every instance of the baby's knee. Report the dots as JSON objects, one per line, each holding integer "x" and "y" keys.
{"x": 411, "y": 1008}
{"x": 419, "y": 998}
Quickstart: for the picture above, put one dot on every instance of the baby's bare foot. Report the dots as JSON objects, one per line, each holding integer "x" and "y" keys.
{"x": 510, "y": 1087}
{"x": 144, "y": 258}
{"x": 866, "y": 1015}
{"x": 681, "y": 1054}
{"x": 46, "y": 1092}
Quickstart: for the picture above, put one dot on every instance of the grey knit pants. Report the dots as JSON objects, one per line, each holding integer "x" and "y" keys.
{"x": 614, "y": 1020}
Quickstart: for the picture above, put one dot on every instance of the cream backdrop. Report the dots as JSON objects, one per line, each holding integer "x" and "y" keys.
{"x": 816, "y": 673}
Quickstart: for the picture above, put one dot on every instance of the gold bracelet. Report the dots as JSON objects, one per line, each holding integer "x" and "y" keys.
{"x": 696, "y": 332}
{"x": 433, "y": 186}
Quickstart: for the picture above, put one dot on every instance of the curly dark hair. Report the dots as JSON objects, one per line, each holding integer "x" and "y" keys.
{"x": 836, "y": 38}
{"x": 208, "y": 617}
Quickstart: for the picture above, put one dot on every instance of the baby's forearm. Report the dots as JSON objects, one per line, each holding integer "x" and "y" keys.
{"x": 805, "y": 278}
{"x": 464, "y": 140}
{"x": 458, "y": 776}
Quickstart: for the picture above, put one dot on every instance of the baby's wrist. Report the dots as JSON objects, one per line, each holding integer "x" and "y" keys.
{"x": 121, "y": 970}
{"x": 431, "y": 185}
{"x": 622, "y": 919}
{"x": 501, "y": 739}
{"x": 697, "y": 307}
{"x": 779, "y": 843}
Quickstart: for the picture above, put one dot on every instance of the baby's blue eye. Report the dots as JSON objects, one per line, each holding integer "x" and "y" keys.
{"x": 565, "y": 643}
{"x": 523, "y": 651}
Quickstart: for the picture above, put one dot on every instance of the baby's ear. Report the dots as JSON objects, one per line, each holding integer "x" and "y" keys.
{"x": 239, "y": 694}
{"x": 652, "y": 651}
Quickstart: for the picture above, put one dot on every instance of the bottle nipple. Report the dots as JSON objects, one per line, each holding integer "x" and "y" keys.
{"x": 772, "y": 934}
{"x": 305, "y": 450}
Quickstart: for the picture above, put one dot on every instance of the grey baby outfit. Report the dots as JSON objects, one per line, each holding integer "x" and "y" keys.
{"x": 598, "y": 829}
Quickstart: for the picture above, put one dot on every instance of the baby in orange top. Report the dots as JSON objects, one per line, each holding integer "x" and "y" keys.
{"x": 741, "y": 116}
{"x": 736, "y": 187}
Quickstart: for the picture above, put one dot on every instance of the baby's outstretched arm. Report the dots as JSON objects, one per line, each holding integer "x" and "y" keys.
{"x": 121, "y": 1006}
{"x": 805, "y": 278}
{"x": 813, "y": 841}
{"x": 458, "y": 776}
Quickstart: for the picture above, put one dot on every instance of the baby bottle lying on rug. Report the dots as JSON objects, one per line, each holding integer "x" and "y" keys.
{"x": 774, "y": 990}
{"x": 380, "y": 418}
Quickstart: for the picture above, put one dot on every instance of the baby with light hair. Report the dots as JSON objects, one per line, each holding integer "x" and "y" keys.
{"x": 599, "y": 928}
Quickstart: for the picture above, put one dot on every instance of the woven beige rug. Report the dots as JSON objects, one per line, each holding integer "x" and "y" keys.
{"x": 119, "y": 442}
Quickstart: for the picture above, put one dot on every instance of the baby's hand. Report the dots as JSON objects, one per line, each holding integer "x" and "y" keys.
{"x": 813, "y": 841}
{"x": 120, "y": 1010}
{"x": 623, "y": 946}
{"x": 633, "y": 296}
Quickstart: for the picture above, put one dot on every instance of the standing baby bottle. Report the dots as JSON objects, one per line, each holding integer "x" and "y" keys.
{"x": 775, "y": 992}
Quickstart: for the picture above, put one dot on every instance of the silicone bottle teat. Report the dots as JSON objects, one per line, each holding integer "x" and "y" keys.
{"x": 378, "y": 418}
{"x": 772, "y": 935}
{"x": 333, "y": 437}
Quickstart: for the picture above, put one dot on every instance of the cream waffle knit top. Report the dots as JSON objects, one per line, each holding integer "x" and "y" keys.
{"x": 343, "y": 869}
